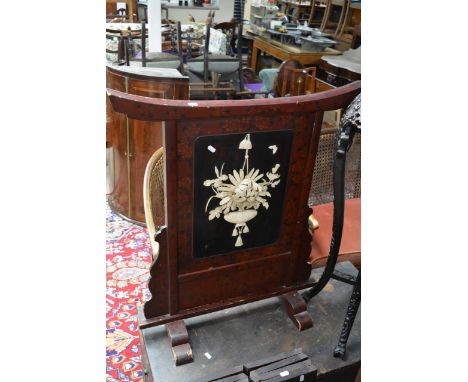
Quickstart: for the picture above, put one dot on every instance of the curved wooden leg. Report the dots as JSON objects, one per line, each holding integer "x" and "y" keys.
{"x": 297, "y": 310}
{"x": 353, "y": 307}
{"x": 326, "y": 15}
{"x": 346, "y": 20}
{"x": 344, "y": 10}
{"x": 181, "y": 350}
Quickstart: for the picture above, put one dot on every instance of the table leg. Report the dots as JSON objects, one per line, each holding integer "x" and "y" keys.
{"x": 249, "y": 57}
{"x": 130, "y": 10}
{"x": 255, "y": 52}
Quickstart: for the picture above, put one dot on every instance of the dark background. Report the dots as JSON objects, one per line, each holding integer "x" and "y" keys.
{"x": 215, "y": 236}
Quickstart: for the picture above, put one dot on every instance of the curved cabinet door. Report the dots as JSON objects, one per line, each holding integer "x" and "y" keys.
{"x": 134, "y": 141}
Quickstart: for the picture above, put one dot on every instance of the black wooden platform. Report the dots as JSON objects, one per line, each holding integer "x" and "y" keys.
{"x": 243, "y": 334}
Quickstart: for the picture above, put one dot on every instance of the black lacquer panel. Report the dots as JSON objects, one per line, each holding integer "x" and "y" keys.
{"x": 238, "y": 209}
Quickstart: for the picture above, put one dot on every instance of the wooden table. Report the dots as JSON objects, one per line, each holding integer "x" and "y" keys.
{"x": 285, "y": 52}
{"x": 236, "y": 336}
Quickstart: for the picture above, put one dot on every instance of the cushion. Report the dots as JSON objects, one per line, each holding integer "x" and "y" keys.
{"x": 164, "y": 64}
{"x": 350, "y": 248}
{"x": 217, "y": 42}
{"x": 254, "y": 87}
{"x": 268, "y": 78}
{"x": 228, "y": 65}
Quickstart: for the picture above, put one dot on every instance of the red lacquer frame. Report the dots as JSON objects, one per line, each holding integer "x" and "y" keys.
{"x": 182, "y": 286}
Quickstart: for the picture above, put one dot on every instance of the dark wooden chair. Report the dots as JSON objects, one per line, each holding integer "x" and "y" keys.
{"x": 317, "y": 12}
{"x": 347, "y": 29}
{"x": 127, "y": 49}
{"x": 162, "y": 59}
{"x": 237, "y": 177}
{"x": 119, "y": 51}
{"x": 335, "y": 9}
{"x": 123, "y": 49}
{"x": 223, "y": 70}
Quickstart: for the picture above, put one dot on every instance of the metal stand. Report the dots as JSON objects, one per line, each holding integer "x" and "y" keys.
{"x": 353, "y": 307}
{"x": 350, "y": 124}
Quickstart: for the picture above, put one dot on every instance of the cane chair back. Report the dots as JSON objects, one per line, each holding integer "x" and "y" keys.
{"x": 153, "y": 197}
{"x": 321, "y": 199}
{"x": 321, "y": 191}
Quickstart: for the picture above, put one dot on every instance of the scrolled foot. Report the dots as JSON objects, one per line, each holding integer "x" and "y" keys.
{"x": 297, "y": 310}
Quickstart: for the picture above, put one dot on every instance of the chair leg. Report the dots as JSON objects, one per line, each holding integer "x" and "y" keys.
{"x": 325, "y": 15}
{"x": 353, "y": 307}
{"x": 346, "y": 20}
{"x": 344, "y": 10}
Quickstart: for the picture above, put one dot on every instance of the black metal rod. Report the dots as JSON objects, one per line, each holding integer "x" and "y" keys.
{"x": 179, "y": 48}
{"x": 205, "y": 53}
{"x": 239, "y": 53}
{"x": 338, "y": 219}
{"x": 143, "y": 44}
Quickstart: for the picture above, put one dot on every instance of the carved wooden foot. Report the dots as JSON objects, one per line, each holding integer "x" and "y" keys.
{"x": 181, "y": 350}
{"x": 297, "y": 310}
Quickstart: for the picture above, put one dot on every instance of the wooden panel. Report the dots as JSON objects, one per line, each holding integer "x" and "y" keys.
{"x": 182, "y": 285}
{"x": 134, "y": 142}
{"x": 273, "y": 271}
{"x": 321, "y": 86}
{"x": 217, "y": 228}
{"x": 189, "y": 132}
{"x": 116, "y": 127}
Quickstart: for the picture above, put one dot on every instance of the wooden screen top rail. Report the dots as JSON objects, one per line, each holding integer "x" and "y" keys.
{"x": 156, "y": 109}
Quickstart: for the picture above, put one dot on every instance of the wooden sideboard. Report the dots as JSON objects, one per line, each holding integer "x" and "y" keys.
{"x": 132, "y": 142}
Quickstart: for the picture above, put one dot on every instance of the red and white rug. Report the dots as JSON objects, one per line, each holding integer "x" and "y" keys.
{"x": 128, "y": 258}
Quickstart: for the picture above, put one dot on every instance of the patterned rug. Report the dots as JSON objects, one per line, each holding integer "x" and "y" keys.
{"x": 128, "y": 258}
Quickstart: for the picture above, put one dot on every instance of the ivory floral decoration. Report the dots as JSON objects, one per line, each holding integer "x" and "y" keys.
{"x": 241, "y": 193}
